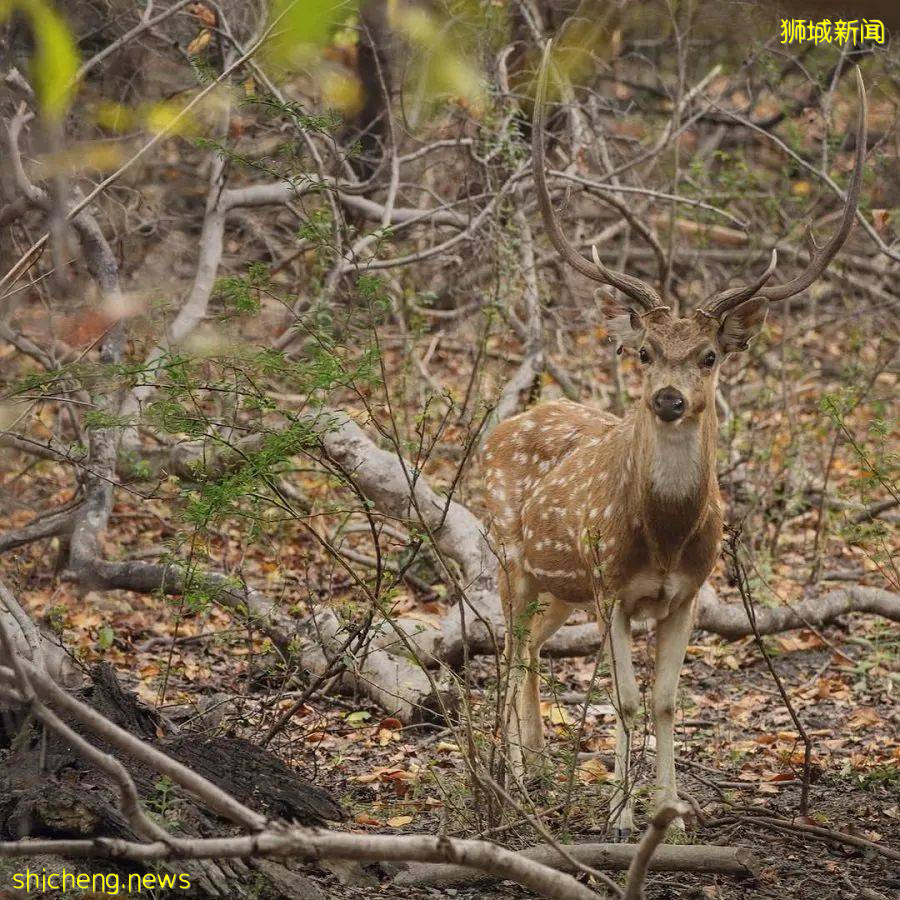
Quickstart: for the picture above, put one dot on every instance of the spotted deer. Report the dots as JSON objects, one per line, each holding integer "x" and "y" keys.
{"x": 623, "y": 516}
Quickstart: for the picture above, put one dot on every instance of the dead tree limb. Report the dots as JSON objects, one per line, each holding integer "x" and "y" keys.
{"x": 44, "y": 527}
{"x": 730, "y": 620}
{"x": 706, "y": 858}
{"x": 30, "y": 642}
{"x": 313, "y": 845}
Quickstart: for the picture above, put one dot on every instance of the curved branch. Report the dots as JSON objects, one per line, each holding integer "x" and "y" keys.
{"x": 44, "y": 527}
{"x": 653, "y": 837}
{"x": 730, "y": 620}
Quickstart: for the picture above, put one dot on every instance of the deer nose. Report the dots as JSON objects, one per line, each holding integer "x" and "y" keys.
{"x": 668, "y": 404}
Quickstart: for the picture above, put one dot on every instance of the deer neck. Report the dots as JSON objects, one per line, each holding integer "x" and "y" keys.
{"x": 675, "y": 467}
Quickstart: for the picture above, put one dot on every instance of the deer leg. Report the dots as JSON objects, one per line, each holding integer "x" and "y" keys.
{"x": 545, "y": 623}
{"x": 625, "y": 698}
{"x": 518, "y": 595}
{"x": 672, "y": 636}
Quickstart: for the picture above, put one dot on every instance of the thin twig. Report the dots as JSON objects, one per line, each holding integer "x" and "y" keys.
{"x": 740, "y": 578}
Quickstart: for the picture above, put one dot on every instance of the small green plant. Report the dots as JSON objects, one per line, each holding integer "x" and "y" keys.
{"x": 164, "y": 799}
{"x": 105, "y": 637}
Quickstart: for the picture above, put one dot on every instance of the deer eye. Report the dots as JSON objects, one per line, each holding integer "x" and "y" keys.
{"x": 709, "y": 359}
{"x": 644, "y": 356}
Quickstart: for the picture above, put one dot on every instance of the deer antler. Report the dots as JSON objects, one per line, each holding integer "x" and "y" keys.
{"x": 819, "y": 256}
{"x": 725, "y": 300}
{"x": 637, "y": 290}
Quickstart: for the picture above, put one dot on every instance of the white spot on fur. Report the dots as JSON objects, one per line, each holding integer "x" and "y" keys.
{"x": 679, "y": 586}
{"x": 555, "y": 573}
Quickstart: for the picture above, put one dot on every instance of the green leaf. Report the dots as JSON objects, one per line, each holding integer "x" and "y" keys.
{"x": 358, "y": 717}
{"x": 301, "y": 28}
{"x": 55, "y": 62}
{"x": 444, "y": 64}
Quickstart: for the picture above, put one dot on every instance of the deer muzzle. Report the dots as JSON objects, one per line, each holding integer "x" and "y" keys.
{"x": 669, "y": 404}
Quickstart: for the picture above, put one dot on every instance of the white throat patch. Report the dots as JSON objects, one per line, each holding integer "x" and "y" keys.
{"x": 675, "y": 463}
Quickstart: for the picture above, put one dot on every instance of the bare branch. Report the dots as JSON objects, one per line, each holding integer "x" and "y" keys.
{"x": 653, "y": 837}
{"x": 523, "y": 379}
{"x": 44, "y": 527}
{"x": 312, "y": 845}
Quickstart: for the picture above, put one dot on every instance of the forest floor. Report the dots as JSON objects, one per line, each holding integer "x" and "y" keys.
{"x": 739, "y": 752}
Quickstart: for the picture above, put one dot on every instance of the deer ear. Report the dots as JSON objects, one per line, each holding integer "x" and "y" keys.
{"x": 623, "y": 324}
{"x": 740, "y": 325}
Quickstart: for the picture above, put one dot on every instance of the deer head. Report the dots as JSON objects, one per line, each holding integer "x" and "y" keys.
{"x": 680, "y": 356}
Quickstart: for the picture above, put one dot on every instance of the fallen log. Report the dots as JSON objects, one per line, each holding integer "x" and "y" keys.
{"x": 388, "y": 676}
{"x": 708, "y": 858}
{"x": 444, "y": 644}
{"x": 730, "y": 620}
